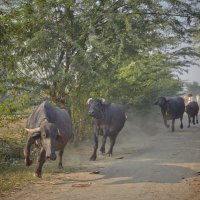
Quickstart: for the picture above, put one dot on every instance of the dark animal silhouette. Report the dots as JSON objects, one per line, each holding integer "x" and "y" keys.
{"x": 108, "y": 120}
{"x": 171, "y": 109}
{"x": 192, "y": 110}
{"x": 49, "y": 129}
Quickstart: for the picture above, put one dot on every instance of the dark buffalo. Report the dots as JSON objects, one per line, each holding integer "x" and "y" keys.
{"x": 108, "y": 120}
{"x": 172, "y": 108}
{"x": 192, "y": 110}
{"x": 49, "y": 129}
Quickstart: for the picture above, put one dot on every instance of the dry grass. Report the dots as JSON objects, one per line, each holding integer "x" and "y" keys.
{"x": 13, "y": 173}
{"x": 14, "y": 178}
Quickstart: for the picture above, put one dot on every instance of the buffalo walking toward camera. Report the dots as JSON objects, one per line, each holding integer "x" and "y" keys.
{"x": 192, "y": 110}
{"x": 171, "y": 108}
{"x": 108, "y": 120}
{"x": 49, "y": 129}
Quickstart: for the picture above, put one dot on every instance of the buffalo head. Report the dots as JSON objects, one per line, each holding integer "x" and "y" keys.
{"x": 47, "y": 134}
{"x": 161, "y": 102}
{"x": 96, "y": 107}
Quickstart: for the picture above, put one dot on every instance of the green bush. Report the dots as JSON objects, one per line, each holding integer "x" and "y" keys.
{"x": 10, "y": 153}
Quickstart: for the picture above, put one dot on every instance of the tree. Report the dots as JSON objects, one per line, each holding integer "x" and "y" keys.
{"x": 71, "y": 50}
{"x": 193, "y": 88}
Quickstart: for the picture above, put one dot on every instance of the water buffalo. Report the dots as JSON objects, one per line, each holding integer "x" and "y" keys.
{"x": 49, "y": 129}
{"x": 108, "y": 120}
{"x": 192, "y": 110}
{"x": 172, "y": 108}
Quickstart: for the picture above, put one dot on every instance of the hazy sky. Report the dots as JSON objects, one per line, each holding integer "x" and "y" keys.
{"x": 192, "y": 75}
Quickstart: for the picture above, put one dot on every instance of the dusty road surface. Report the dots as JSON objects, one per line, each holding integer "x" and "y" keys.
{"x": 149, "y": 163}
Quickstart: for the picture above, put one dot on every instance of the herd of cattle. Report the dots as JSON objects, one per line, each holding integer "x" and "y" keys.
{"x": 174, "y": 108}
{"x": 49, "y": 128}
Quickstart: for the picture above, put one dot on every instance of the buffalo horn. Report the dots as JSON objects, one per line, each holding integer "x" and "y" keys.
{"x": 88, "y": 101}
{"x": 103, "y": 100}
{"x": 33, "y": 130}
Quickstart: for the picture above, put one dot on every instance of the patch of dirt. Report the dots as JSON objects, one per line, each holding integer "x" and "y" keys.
{"x": 148, "y": 164}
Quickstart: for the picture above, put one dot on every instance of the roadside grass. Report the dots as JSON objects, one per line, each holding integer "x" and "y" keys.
{"x": 14, "y": 178}
{"x": 13, "y": 173}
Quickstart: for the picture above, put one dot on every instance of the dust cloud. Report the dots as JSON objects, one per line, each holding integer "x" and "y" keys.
{"x": 139, "y": 134}
{"x": 132, "y": 139}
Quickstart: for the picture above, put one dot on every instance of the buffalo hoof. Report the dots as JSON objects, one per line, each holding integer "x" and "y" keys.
{"x": 60, "y": 166}
{"x": 102, "y": 151}
{"x": 37, "y": 175}
{"x": 93, "y": 158}
{"x": 109, "y": 154}
{"x": 28, "y": 162}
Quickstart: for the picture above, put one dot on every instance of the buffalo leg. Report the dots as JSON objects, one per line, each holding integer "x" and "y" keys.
{"x": 27, "y": 149}
{"x": 112, "y": 143}
{"x": 197, "y": 119}
{"x": 102, "y": 149}
{"x": 173, "y": 121}
{"x": 94, "y": 155}
{"x": 40, "y": 162}
{"x": 60, "y": 165}
{"x": 193, "y": 119}
{"x": 181, "y": 118}
{"x": 165, "y": 120}
{"x": 189, "y": 121}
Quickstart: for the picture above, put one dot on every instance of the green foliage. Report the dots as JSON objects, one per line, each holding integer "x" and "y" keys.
{"x": 148, "y": 77}
{"x": 68, "y": 51}
{"x": 10, "y": 153}
{"x": 16, "y": 104}
{"x": 12, "y": 138}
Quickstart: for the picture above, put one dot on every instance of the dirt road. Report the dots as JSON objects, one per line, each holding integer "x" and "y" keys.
{"x": 149, "y": 163}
